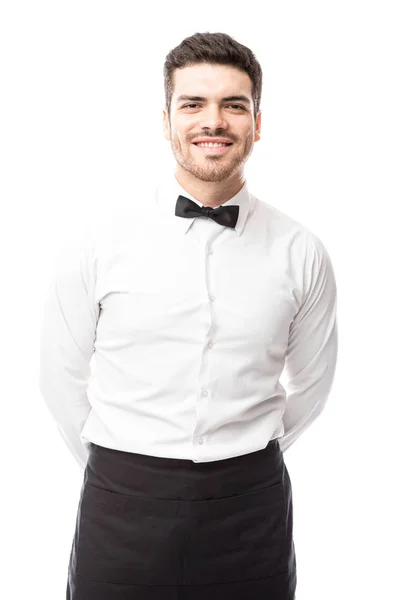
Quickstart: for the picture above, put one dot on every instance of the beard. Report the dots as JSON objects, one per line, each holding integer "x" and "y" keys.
{"x": 209, "y": 167}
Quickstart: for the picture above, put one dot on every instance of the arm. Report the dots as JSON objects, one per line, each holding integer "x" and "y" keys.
{"x": 312, "y": 346}
{"x": 67, "y": 336}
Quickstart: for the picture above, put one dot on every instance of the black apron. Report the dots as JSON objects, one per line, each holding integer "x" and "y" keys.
{"x": 151, "y": 528}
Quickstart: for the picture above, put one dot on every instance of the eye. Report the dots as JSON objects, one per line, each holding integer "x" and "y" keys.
{"x": 238, "y": 105}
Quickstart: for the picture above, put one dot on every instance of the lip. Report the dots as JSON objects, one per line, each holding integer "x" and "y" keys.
{"x": 213, "y": 150}
{"x": 210, "y": 139}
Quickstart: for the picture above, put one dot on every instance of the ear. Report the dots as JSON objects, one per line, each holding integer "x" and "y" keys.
{"x": 257, "y": 132}
{"x": 167, "y": 129}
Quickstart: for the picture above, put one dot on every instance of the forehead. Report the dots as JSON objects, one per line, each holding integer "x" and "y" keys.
{"x": 212, "y": 81}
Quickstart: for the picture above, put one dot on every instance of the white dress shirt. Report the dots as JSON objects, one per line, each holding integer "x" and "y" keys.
{"x": 191, "y": 325}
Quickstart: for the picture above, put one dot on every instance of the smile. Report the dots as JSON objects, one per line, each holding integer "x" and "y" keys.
{"x": 213, "y": 148}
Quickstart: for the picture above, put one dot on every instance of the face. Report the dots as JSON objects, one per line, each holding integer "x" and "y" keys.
{"x": 212, "y": 117}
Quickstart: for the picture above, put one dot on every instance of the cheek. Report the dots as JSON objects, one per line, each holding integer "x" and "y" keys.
{"x": 185, "y": 129}
{"x": 180, "y": 137}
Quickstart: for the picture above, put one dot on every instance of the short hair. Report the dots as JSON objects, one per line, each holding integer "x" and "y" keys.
{"x": 212, "y": 48}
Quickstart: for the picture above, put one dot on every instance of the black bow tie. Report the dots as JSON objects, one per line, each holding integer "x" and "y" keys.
{"x": 223, "y": 215}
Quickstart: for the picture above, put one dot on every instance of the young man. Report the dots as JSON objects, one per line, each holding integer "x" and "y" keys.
{"x": 194, "y": 307}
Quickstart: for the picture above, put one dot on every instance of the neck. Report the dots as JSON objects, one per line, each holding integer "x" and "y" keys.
{"x": 209, "y": 193}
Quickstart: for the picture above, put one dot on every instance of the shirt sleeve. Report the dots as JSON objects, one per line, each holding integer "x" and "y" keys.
{"x": 67, "y": 336}
{"x": 311, "y": 355}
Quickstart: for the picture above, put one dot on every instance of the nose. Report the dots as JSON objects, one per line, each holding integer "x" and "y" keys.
{"x": 212, "y": 117}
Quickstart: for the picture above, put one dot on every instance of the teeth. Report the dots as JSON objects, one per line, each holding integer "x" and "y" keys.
{"x": 210, "y": 144}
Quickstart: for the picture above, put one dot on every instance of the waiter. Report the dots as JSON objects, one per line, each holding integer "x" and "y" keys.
{"x": 194, "y": 303}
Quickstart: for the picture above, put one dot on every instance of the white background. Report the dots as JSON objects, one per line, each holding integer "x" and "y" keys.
{"x": 81, "y": 129}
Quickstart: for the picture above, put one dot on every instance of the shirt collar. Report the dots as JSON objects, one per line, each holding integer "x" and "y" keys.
{"x": 168, "y": 189}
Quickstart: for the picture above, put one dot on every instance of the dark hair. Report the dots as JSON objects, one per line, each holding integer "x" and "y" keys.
{"x": 213, "y": 48}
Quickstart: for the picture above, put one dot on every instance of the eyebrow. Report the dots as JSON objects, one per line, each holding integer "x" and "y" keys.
{"x": 226, "y": 99}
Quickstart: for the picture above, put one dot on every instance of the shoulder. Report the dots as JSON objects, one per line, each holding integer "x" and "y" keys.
{"x": 108, "y": 222}
{"x": 291, "y": 231}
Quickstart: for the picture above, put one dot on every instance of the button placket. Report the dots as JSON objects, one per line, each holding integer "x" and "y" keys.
{"x": 210, "y": 345}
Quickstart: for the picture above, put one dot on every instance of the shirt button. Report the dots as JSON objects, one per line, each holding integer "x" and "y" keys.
{"x": 211, "y": 251}
{"x": 212, "y": 298}
{"x": 210, "y": 344}
{"x": 200, "y": 440}
{"x": 204, "y": 393}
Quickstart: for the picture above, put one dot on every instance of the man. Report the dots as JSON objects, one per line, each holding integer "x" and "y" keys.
{"x": 194, "y": 307}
